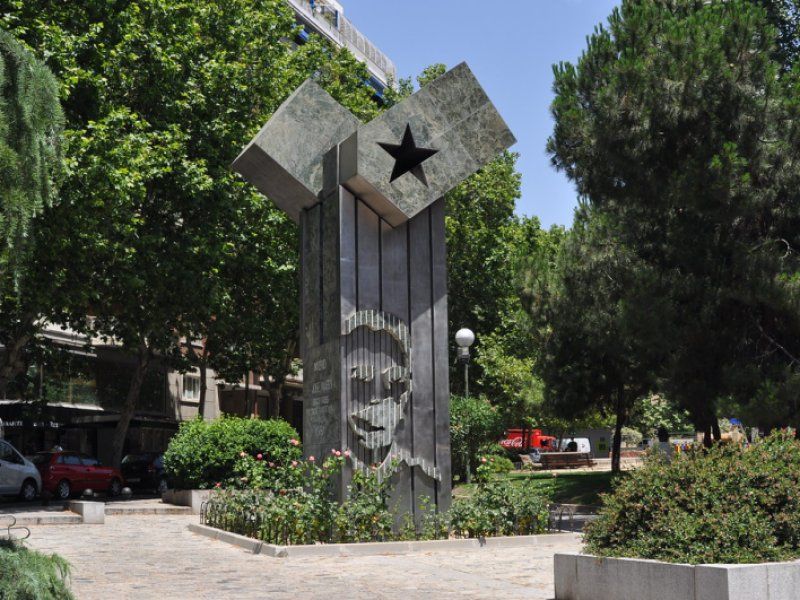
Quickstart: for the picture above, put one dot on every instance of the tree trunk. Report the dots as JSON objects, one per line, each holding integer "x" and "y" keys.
{"x": 616, "y": 458}
{"x": 129, "y": 408}
{"x": 201, "y": 410}
{"x": 248, "y": 412}
{"x": 11, "y": 365}
{"x": 277, "y": 382}
{"x": 275, "y": 396}
{"x": 707, "y": 442}
{"x": 716, "y": 430}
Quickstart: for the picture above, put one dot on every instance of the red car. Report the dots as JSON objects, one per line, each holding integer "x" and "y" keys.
{"x": 66, "y": 473}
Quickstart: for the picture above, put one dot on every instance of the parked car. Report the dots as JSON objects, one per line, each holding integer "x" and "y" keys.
{"x": 18, "y": 475}
{"x": 145, "y": 470}
{"x": 65, "y": 473}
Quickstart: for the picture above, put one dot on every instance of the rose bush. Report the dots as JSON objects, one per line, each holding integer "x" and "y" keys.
{"x": 294, "y": 503}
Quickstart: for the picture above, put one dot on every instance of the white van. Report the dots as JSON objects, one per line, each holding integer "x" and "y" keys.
{"x": 18, "y": 475}
{"x": 581, "y": 445}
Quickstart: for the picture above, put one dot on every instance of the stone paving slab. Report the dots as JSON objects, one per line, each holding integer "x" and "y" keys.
{"x": 143, "y": 556}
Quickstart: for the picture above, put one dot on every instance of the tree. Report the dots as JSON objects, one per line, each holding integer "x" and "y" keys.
{"x": 505, "y": 357}
{"x": 259, "y": 285}
{"x": 679, "y": 126}
{"x": 595, "y": 327}
{"x": 474, "y": 423}
{"x": 160, "y": 96}
{"x": 654, "y": 412}
{"x": 31, "y": 168}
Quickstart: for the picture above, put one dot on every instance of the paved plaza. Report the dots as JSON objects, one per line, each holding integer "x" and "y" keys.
{"x": 155, "y": 556}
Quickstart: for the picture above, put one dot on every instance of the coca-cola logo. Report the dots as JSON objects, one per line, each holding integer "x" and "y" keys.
{"x": 515, "y": 443}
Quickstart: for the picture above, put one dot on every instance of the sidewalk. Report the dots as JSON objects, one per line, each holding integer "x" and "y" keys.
{"x": 142, "y": 556}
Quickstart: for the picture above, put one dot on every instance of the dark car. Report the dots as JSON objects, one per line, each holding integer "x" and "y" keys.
{"x": 145, "y": 470}
{"x": 65, "y": 473}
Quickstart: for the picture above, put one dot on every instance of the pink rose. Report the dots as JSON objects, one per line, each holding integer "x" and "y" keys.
{"x": 272, "y": 464}
{"x": 338, "y": 453}
{"x": 294, "y": 463}
{"x": 311, "y": 459}
{"x": 347, "y": 453}
{"x": 294, "y": 442}
{"x": 218, "y": 484}
{"x": 483, "y": 459}
{"x": 242, "y": 454}
{"x": 259, "y": 456}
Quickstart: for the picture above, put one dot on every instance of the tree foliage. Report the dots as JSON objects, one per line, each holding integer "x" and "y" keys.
{"x": 160, "y": 96}
{"x": 31, "y": 167}
{"x": 30, "y": 146}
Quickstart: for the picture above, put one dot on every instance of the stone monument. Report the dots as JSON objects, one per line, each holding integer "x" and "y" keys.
{"x": 369, "y": 200}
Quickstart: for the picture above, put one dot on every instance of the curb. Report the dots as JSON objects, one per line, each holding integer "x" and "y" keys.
{"x": 376, "y": 548}
{"x": 167, "y": 509}
{"x": 68, "y": 518}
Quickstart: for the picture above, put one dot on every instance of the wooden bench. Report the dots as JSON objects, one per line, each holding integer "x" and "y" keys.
{"x": 566, "y": 460}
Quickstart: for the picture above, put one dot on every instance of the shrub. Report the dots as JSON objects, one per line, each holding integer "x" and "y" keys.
{"x": 500, "y": 507}
{"x": 497, "y": 464}
{"x": 29, "y": 575}
{"x": 727, "y": 505}
{"x": 204, "y": 453}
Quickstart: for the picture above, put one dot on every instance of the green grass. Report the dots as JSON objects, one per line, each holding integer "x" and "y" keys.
{"x": 567, "y": 488}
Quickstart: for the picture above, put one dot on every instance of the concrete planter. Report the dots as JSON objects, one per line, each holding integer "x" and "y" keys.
{"x": 191, "y": 498}
{"x": 377, "y": 548}
{"x": 90, "y": 512}
{"x": 586, "y": 577}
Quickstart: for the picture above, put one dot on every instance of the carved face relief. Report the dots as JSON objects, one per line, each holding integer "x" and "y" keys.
{"x": 375, "y": 426}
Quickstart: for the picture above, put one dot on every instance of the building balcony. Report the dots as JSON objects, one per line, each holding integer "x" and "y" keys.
{"x": 326, "y": 18}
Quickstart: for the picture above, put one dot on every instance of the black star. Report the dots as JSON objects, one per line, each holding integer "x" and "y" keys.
{"x": 408, "y": 157}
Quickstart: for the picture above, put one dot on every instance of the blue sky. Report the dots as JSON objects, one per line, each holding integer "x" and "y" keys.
{"x": 511, "y": 46}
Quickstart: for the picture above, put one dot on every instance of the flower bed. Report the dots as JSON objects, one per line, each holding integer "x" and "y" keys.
{"x": 293, "y": 503}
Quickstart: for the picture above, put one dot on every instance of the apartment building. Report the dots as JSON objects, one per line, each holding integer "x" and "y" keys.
{"x": 326, "y": 18}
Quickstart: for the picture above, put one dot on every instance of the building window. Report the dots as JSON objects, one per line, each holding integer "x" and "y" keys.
{"x": 191, "y": 388}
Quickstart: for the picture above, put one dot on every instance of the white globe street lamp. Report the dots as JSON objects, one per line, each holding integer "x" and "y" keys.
{"x": 464, "y": 339}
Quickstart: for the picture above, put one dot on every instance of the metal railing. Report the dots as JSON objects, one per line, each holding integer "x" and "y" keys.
{"x": 339, "y": 29}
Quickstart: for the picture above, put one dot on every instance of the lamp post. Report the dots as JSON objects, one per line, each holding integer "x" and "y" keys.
{"x": 464, "y": 339}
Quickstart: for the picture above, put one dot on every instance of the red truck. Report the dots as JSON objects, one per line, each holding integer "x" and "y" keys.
{"x": 525, "y": 440}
